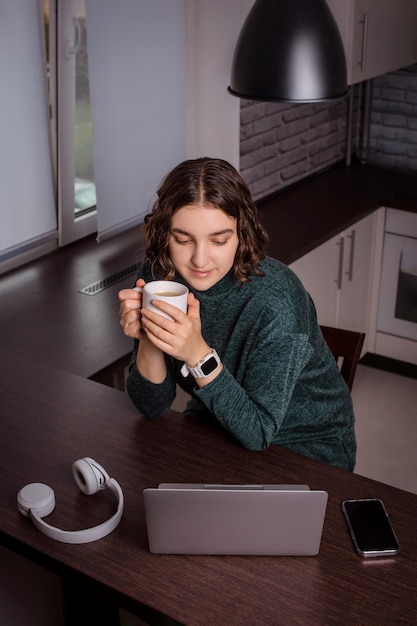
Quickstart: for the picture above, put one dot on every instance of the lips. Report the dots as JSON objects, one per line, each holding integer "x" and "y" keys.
{"x": 199, "y": 274}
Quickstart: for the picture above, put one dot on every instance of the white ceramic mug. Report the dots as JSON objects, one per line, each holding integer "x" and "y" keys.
{"x": 165, "y": 290}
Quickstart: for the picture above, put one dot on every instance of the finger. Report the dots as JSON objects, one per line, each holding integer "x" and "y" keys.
{"x": 193, "y": 306}
{"x": 129, "y": 310}
{"x": 151, "y": 320}
{"x": 160, "y": 336}
{"x": 130, "y": 294}
{"x": 131, "y": 324}
{"x": 174, "y": 312}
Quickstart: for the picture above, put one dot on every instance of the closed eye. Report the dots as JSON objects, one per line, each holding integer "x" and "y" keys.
{"x": 183, "y": 237}
{"x": 182, "y": 242}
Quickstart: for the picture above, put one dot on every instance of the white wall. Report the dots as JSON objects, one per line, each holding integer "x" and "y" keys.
{"x": 213, "y": 115}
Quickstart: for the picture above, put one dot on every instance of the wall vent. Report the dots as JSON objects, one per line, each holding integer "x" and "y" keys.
{"x": 101, "y": 285}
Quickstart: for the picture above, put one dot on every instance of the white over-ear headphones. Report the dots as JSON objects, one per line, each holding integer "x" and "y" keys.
{"x": 37, "y": 500}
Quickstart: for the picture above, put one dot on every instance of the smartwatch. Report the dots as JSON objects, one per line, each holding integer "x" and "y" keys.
{"x": 204, "y": 368}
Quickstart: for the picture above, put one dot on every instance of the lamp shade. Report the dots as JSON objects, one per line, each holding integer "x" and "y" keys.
{"x": 289, "y": 51}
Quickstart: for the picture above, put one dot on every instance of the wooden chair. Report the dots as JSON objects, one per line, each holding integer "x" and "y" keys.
{"x": 345, "y": 345}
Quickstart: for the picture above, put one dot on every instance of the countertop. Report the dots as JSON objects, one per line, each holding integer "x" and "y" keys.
{"x": 300, "y": 218}
{"x": 45, "y": 316}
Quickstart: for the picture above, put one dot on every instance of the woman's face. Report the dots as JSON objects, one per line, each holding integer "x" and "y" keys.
{"x": 202, "y": 244}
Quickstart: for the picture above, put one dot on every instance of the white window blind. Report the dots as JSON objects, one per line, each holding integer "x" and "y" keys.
{"x": 27, "y": 204}
{"x": 136, "y": 57}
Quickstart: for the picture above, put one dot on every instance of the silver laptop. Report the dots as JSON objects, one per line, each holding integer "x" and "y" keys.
{"x": 284, "y": 520}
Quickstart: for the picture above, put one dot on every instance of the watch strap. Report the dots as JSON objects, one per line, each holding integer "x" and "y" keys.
{"x": 204, "y": 368}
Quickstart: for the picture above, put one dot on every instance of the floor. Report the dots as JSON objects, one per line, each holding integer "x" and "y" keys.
{"x": 386, "y": 427}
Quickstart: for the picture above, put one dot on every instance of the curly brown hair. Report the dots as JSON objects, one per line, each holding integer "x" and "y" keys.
{"x": 210, "y": 182}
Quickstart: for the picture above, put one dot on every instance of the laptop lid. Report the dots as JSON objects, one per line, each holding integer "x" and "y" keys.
{"x": 281, "y": 487}
{"x": 232, "y": 519}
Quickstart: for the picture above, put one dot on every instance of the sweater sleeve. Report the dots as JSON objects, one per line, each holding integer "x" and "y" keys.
{"x": 151, "y": 399}
{"x": 254, "y": 409}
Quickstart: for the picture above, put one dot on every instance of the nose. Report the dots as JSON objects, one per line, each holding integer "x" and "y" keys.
{"x": 200, "y": 255}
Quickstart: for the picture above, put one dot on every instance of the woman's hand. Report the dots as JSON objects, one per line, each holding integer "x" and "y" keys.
{"x": 130, "y": 311}
{"x": 180, "y": 338}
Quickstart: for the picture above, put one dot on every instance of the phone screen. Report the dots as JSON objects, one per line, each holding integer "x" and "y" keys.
{"x": 370, "y": 528}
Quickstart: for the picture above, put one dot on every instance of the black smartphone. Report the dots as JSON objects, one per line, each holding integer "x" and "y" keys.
{"x": 370, "y": 528}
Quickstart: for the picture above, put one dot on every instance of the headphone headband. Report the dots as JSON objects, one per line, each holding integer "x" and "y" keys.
{"x": 37, "y": 500}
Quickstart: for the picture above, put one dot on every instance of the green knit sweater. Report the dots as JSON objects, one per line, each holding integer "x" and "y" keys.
{"x": 280, "y": 383}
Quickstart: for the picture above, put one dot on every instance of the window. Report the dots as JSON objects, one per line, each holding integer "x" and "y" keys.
{"x": 127, "y": 99}
{"x": 84, "y": 74}
{"x": 75, "y": 170}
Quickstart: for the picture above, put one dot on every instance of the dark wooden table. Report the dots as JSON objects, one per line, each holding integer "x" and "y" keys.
{"x": 49, "y": 418}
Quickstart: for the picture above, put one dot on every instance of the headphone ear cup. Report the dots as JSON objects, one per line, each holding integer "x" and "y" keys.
{"x": 89, "y": 475}
{"x": 36, "y": 497}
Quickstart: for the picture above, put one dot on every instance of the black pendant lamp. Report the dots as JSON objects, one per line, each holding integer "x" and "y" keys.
{"x": 289, "y": 51}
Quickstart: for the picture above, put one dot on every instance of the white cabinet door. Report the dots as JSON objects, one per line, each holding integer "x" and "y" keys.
{"x": 379, "y": 36}
{"x": 320, "y": 271}
{"x": 355, "y": 293}
{"x": 337, "y": 275}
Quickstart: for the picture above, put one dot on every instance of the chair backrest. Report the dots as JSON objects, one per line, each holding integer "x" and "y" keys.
{"x": 345, "y": 345}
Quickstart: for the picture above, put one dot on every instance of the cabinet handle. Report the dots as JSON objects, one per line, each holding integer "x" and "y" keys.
{"x": 341, "y": 244}
{"x": 364, "y": 41}
{"x": 349, "y": 273}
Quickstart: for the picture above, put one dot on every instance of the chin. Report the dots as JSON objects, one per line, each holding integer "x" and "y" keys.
{"x": 201, "y": 284}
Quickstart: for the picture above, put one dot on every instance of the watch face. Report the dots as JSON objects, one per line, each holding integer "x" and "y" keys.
{"x": 209, "y": 366}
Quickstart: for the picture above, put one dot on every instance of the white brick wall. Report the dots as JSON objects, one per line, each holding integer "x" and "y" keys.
{"x": 393, "y": 132}
{"x": 282, "y": 143}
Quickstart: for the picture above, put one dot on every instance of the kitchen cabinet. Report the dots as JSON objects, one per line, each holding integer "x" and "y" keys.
{"x": 379, "y": 36}
{"x": 396, "y": 315}
{"x": 318, "y": 271}
{"x": 337, "y": 274}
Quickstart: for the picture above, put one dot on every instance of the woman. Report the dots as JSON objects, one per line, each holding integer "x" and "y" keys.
{"x": 254, "y": 356}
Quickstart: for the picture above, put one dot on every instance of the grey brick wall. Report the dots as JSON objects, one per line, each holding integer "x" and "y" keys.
{"x": 282, "y": 143}
{"x": 393, "y": 131}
